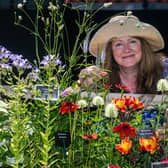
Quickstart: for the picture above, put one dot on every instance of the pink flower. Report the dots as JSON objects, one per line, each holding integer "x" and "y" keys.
{"x": 163, "y": 161}
{"x": 111, "y": 166}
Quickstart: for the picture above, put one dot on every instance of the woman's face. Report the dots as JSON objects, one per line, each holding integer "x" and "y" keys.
{"x": 127, "y": 51}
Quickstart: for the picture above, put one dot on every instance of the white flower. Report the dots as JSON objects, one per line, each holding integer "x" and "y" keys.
{"x": 107, "y": 4}
{"x": 111, "y": 110}
{"x": 20, "y": 17}
{"x": 98, "y": 101}
{"x": 2, "y": 104}
{"x": 129, "y": 13}
{"x": 3, "y": 110}
{"x": 10, "y": 160}
{"x": 3, "y": 107}
{"x": 82, "y": 103}
{"x": 31, "y": 131}
{"x": 19, "y": 5}
{"x": 162, "y": 85}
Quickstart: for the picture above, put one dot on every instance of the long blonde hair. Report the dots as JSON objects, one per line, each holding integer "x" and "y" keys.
{"x": 149, "y": 68}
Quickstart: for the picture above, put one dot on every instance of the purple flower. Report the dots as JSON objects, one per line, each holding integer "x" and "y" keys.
{"x": 20, "y": 63}
{"x": 67, "y": 92}
{"x": 5, "y": 66}
{"x": 47, "y": 59}
{"x": 58, "y": 62}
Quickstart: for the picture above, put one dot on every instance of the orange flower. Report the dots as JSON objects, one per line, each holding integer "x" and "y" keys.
{"x": 125, "y": 146}
{"x": 127, "y": 103}
{"x": 120, "y": 104}
{"x": 90, "y": 136}
{"x": 125, "y": 129}
{"x": 137, "y": 104}
{"x": 149, "y": 145}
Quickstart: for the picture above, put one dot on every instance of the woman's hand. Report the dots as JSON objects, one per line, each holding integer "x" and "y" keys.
{"x": 91, "y": 74}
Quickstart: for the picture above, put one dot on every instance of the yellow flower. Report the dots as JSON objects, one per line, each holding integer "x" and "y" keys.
{"x": 149, "y": 145}
{"x": 125, "y": 146}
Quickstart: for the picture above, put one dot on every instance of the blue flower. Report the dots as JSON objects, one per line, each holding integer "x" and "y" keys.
{"x": 150, "y": 116}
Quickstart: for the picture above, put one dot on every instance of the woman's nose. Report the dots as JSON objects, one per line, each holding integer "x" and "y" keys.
{"x": 127, "y": 48}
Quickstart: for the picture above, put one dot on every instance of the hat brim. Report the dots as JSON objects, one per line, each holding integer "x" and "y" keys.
{"x": 130, "y": 27}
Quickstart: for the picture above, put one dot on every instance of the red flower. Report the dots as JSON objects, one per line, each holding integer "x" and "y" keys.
{"x": 107, "y": 86}
{"x": 122, "y": 87}
{"x": 111, "y": 166}
{"x": 125, "y": 129}
{"x": 90, "y": 136}
{"x": 67, "y": 107}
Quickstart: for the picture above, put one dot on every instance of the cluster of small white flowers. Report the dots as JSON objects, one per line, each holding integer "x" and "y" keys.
{"x": 162, "y": 85}
{"x": 111, "y": 110}
{"x": 82, "y": 103}
{"x": 98, "y": 101}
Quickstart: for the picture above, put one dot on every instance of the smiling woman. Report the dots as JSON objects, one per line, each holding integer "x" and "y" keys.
{"x": 127, "y": 47}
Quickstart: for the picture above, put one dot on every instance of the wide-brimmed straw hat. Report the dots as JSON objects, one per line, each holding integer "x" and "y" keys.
{"x": 120, "y": 26}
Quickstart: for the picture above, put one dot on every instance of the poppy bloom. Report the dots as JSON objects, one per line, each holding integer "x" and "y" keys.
{"x": 90, "y": 136}
{"x": 67, "y": 107}
{"x": 125, "y": 146}
{"x": 125, "y": 129}
{"x": 149, "y": 145}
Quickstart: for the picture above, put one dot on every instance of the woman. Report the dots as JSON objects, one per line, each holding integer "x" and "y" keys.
{"x": 128, "y": 51}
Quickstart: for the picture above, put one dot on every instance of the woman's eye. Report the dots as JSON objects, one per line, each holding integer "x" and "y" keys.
{"x": 133, "y": 41}
{"x": 118, "y": 44}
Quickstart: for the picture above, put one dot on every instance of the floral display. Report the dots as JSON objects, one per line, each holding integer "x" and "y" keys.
{"x": 57, "y": 126}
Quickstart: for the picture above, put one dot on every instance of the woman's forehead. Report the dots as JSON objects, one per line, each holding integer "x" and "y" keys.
{"x": 123, "y": 38}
